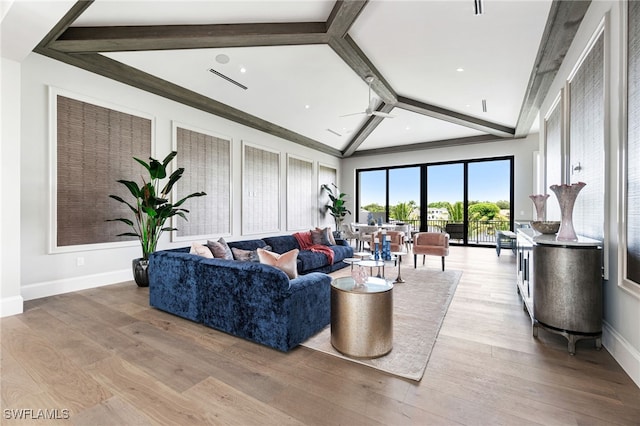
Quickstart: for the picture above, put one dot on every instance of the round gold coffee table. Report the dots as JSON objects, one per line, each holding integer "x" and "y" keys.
{"x": 362, "y": 317}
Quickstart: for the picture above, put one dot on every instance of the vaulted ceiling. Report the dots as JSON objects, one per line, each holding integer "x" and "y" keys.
{"x": 298, "y": 69}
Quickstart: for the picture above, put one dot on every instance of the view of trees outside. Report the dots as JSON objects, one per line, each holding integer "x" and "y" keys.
{"x": 488, "y": 192}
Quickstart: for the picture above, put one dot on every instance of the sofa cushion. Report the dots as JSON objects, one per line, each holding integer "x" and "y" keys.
{"x": 201, "y": 250}
{"x": 341, "y": 252}
{"x": 286, "y": 262}
{"x": 247, "y": 244}
{"x": 282, "y": 243}
{"x": 220, "y": 249}
{"x": 309, "y": 260}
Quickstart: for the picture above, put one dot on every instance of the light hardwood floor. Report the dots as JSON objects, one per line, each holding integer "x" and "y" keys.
{"x": 110, "y": 359}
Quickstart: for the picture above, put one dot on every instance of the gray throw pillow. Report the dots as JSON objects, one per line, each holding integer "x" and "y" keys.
{"x": 247, "y": 255}
{"x": 220, "y": 249}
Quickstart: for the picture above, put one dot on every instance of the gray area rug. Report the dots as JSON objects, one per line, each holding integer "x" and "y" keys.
{"x": 419, "y": 307}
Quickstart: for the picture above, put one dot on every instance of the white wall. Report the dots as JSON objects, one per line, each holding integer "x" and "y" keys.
{"x": 621, "y": 334}
{"x": 10, "y": 297}
{"x": 45, "y": 274}
{"x": 521, "y": 149}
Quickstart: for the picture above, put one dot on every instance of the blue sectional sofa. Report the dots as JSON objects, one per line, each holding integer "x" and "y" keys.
{"x": 247, "y": 299}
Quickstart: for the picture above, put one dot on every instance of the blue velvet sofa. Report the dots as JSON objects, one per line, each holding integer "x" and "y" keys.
{"x": 308, "y": 261}
{"x": 246, "y": 299}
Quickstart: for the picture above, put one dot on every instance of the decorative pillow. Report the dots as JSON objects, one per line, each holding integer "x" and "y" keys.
{"x": 247, "y": 255}
{"x": 319, "y": 236}
{"x": 329, "y": 234}
{"x": 286, "y": 262}
{"x": 220, "y": 249}
{"x": 201, "y": 250}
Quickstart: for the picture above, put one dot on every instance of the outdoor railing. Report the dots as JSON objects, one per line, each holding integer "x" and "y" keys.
{"x": 479, "y": 232}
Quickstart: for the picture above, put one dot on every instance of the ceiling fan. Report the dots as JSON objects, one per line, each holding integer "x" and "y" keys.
{"x": 370, "y": 108}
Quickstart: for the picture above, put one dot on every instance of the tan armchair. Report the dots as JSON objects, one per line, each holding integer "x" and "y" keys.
{"x": 397, "y": 240}
{"x": 430, "y": 243}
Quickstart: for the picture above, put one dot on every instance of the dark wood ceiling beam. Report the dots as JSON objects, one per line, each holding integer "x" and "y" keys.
{"x": 115, "y": 70}
{"x": 562, "y": 25}
{"x": 351, "y": 54}
{"x": 63, "y": 24}
{"x": 455, "y": 117}
{"x": 364, "y": 132}
{"x": 421, "y": 146}
{"x": 166, "y": 37}
{"x": 343, "y": 15}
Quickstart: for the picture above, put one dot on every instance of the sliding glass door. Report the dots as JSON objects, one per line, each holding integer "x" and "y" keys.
{"x": 469, "y": 199}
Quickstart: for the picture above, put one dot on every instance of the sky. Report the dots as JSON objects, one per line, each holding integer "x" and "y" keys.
{"x": 488, "y": 181}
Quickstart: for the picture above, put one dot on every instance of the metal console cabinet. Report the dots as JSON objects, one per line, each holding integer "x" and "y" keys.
{"x": 561, "y": 285}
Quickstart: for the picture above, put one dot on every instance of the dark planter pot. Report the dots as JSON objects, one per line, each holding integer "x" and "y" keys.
{"x": 140, "y": 272}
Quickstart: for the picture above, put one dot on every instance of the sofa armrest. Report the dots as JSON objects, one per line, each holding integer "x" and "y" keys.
{"x": 341, "y": 242}
{"x": 301, "y": 283}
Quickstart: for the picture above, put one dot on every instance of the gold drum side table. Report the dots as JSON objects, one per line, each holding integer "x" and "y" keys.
{"x": 362, "y": 317}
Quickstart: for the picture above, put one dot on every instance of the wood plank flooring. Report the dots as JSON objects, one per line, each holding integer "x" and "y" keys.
{"x": 109, "y": 359}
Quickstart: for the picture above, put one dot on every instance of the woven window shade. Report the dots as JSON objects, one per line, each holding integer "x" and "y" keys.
{"x": 326, "y": 175}
{"x": 633, "y": 146}
{"x": 301, "y": 199}
{"x": 586, "y": 136}
{"x": 207, "y": 163}
{"x": 260, "y": 191}
{"x": 553, "y": 135}
{"x": 95, "y": 146}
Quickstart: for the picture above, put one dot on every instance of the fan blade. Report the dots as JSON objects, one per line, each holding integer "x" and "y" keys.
{"x": 355, "y": 113}
{"x": 383, "y": 114}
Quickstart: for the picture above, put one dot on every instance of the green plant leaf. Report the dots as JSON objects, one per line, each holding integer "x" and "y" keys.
{"x": 157, "y": 170}
{"x": 128, "y": 234}
{"x": 133, "y": 209}
{"x": 144, "y": 164}
{"x": 121, "y": 219}
{"x": 195, "y": 194}
{"x": 175, "y": 176}
{"x": 168, "y": 158}
{"x": 131, "y": 186}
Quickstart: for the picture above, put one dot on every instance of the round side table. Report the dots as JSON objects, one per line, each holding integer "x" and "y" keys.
{"x": 362, "y": 317}
{"x": 398, "y": 255}
{"x": 351, "y": 261}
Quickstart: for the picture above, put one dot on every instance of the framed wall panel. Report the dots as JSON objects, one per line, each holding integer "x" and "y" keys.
{"x": 587, "y": 140}
{"x": 326, "y": 175}
{"x": 629, "y": 231}
{"x": 92, "y": 146}
{"x": 206, "y": 158}
{"x": 301, "y": 196}
{"x": 554, "y": 150}
{"x": 260, "y": 190}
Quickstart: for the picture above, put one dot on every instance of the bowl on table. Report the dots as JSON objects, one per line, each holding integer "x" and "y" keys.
{"x": 546, "y": 226}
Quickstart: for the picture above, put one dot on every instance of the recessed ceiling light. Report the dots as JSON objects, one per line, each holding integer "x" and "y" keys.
{"x": 468, "y": 105}
{"x": 407, "y": 128}
{"x": 243, "y": 70}
{"x": 307, "y": 106}
{"x": 222, "y": 59}
{"x": 459, "y": 69}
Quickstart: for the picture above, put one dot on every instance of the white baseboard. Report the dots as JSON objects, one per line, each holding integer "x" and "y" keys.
{"x": 626, "y": 355}
{"x": 11, "y": 306}
{"x": 67, "y": 285}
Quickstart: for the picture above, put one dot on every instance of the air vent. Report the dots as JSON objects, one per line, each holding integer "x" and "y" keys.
{"x": 229, "y": 79}
{"x": 334, "y": 132}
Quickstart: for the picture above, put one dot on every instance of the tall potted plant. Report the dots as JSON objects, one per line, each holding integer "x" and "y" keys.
{"x": 337, "y": 207}
{"x": 151, "y": 209}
